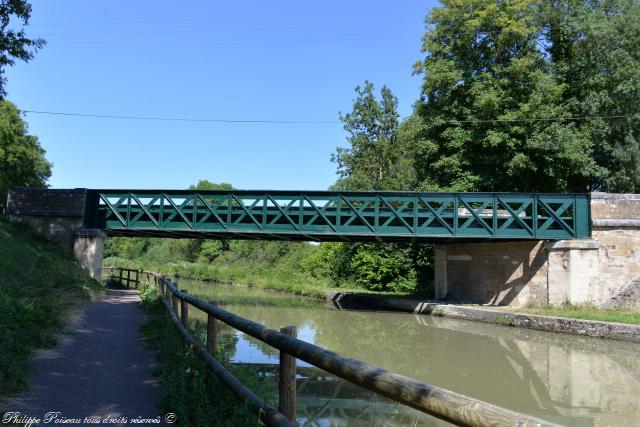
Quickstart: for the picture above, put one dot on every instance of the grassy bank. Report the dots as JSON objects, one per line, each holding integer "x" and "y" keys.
{"x": 39, "y": 284}
{"x": 295, "y": 267}
{"x": 277, "y": 278}
{"x": 192, "y": 392}
{"x": 585, "y": 312}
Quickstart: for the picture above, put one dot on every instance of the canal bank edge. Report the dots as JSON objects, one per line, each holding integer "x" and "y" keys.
{"x": 591, "y": 328}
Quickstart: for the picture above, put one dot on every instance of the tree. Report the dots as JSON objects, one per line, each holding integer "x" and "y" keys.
{"x": 377, "y": 159}
{"x": 594, "y": 48}
{"x": 380, "y": 156}
{"x": 22, "y": 160}
{"x": 490, "y": 102}
{"x": 204, "y": 184}
{"x": 14, "y": 44}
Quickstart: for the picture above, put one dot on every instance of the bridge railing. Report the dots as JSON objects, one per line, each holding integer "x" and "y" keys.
{"x": 325, "y": 216}
{"x": 444, "y": 404}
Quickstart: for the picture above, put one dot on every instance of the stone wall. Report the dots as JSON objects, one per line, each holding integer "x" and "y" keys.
{"x": 616, "y": 227}
{"x": 53, "y": 214}
{"x": 46, "y": 202}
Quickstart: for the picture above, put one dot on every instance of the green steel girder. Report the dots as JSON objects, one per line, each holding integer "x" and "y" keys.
{"x": 335, "y": 216}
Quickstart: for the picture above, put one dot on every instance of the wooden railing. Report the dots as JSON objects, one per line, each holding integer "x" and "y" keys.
{"x": 125, "y": 276}
{"x": 441, "y": 403}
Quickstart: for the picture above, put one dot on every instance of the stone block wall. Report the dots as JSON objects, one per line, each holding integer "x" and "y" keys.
{"x": 53, "y": 214}
{"x": 616, "y": 227}
{"x": 46, "y": 202}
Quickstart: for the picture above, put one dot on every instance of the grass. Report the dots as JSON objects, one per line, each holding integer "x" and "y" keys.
{"x": 585, "y": 312}
{"x": 39, "y": 284}
{"x": 272, "y": 278}
{"x": 192, "y": 392}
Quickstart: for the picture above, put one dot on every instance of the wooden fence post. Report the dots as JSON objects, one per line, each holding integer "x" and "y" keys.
{"x": 184, "y": 311}
{"x": 212, "y": 331}
{"x": 137, "y": 279}
{"x": 120, "y": 277}
{"x": 174, "y": 300}
{"x": 128, "y": 277}
{"x": 287, "y": 379}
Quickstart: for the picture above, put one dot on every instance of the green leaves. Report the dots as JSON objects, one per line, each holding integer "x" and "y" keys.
{"x": 14, "y": 44}
{"x": 22, "y": 161}
{"x": 379, "y": 152}
{"x": 504, "y": 83}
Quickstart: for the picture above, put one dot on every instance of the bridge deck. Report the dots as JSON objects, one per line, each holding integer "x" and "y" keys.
{"x": 339, "y": 216}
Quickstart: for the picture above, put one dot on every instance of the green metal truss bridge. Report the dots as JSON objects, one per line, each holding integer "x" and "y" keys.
{"x": 339, "y": 216}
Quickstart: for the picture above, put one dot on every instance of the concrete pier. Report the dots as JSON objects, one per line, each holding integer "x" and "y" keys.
{"x": 603, "y": 271}
{"x": 88, "y": 247}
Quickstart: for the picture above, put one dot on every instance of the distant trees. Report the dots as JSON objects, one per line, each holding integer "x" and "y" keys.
{"x": 14, "y": 44}
{"x": 204, "y": 184}
{"x": 22, "y": 160}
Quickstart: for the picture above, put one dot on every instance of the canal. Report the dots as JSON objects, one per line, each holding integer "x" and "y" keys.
{"x": 571, "y": 380}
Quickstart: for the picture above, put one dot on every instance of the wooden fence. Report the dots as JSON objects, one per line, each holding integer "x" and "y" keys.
{"x": 447, "y": 405}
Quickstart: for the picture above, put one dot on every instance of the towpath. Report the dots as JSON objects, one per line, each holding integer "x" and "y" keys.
{"x": 100, "y": 370}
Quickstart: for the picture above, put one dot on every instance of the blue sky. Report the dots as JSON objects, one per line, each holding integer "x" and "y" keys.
{"x": 276, "y": 60}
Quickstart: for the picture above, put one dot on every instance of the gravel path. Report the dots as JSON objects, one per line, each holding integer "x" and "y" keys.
{"x": 100, "y": 370}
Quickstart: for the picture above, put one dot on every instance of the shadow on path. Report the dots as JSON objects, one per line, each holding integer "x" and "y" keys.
{"x": 100, "y": 369}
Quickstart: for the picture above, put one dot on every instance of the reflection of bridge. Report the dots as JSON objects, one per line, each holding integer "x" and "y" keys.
{"x": 324, "y": 399}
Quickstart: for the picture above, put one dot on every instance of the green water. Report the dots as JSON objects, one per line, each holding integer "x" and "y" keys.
{"x": 576, "y": 381}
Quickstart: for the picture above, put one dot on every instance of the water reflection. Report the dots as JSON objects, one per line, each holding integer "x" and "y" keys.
{"x": 577, "y": 381}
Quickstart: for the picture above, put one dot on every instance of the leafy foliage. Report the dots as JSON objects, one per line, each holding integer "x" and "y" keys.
{"x": 14, "y": 44}
{"x": 497, "y": 76}
{"x": 204, "y": 184}
{"x": 378, "y": 157}
{"x": 485, "y": 77}
{"x": 594, "y": 48}
{"x": 22, "y": 161}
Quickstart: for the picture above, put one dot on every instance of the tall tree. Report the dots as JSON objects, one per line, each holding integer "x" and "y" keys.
{"x": 380, "y": 156}
{"x": 22, "y": 160}
{"x": 14, "y": 44}
{"x": 490, "y": 103}
{"x": 593, "y": 45}
{"x": 376, "y": 159}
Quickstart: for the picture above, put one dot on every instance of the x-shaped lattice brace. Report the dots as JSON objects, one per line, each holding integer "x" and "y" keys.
{"x": 474, "y": 214}
{"x": 397, "y": 215}
{"x": 514, "y": 214}
{"x": 357, "y": 213}
{"x": 555, "y": 215}
{"x": 437, "y": 214}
